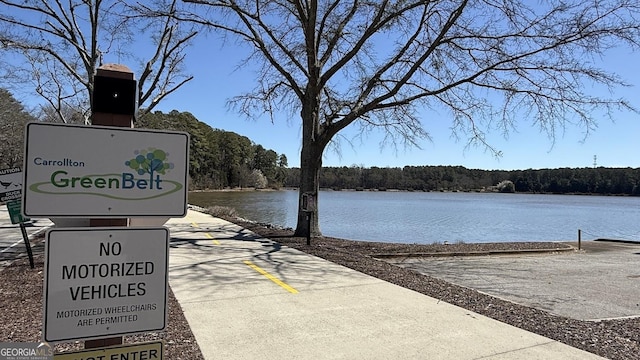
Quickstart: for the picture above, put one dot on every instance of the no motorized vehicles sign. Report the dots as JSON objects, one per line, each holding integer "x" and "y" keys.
{"x": 105, "y": 281}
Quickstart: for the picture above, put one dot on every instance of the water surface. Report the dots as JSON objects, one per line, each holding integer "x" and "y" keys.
{"x": 428, "y": 217}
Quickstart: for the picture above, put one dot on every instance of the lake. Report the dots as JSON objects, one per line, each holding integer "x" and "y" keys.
{"x": 432, "y": 217}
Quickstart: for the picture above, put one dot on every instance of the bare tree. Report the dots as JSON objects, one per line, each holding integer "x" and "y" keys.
{"x": 380, "y": 64}
{"x": 57, "y": 47}
{"x": 70, "y": 115}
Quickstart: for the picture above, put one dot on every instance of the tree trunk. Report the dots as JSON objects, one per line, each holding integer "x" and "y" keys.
{"x": 310, "y": 164}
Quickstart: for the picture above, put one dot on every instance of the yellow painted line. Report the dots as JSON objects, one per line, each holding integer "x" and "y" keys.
{"x": 271, "y": 277}
{"x": 215, "y": 242}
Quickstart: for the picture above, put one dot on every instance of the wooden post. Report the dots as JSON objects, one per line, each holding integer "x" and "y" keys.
{"x": 113, "y": 104}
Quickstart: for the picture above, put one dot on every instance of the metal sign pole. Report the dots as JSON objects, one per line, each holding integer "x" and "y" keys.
{"x": 25, "y": 237}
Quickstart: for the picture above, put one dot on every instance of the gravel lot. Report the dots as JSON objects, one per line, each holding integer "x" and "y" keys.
{"x": 601, "y": 282}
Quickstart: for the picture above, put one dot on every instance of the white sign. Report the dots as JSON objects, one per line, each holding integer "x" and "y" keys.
{"x": 92, "y": 171}
{"x": 10, "y": 184}
{"x": 105, "y": 281}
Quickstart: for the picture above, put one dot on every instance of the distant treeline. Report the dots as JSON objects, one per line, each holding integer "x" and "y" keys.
{"x": 221, "y": 159}
{"x": 615, "y": 181}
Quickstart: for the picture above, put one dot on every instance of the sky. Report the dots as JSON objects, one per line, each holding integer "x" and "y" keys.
{"x": 613, "y": 144}
{"x": 216, "y": 79}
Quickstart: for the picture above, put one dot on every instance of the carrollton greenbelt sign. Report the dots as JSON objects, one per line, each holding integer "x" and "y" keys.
{"x": 91, "y": 171}
{"x": 105, "y": 281}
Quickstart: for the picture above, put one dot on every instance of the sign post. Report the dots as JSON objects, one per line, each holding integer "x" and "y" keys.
{"x": 105, "y": 278}
{"x": 113, "y": 104}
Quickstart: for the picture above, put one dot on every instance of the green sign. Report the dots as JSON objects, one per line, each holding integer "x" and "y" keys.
{"x": 14, "y": 212}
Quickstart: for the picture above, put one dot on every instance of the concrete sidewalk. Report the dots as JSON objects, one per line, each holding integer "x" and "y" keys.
{"x": 246, "y": 297}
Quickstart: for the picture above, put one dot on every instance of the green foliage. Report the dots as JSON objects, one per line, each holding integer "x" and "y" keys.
{"x": 13, "y": 118}
{"x": 218, "y": 158}
{"x": 604, "y": 181}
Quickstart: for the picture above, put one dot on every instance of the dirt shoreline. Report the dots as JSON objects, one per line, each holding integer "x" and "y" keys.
{"x": 21, "y": 291}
